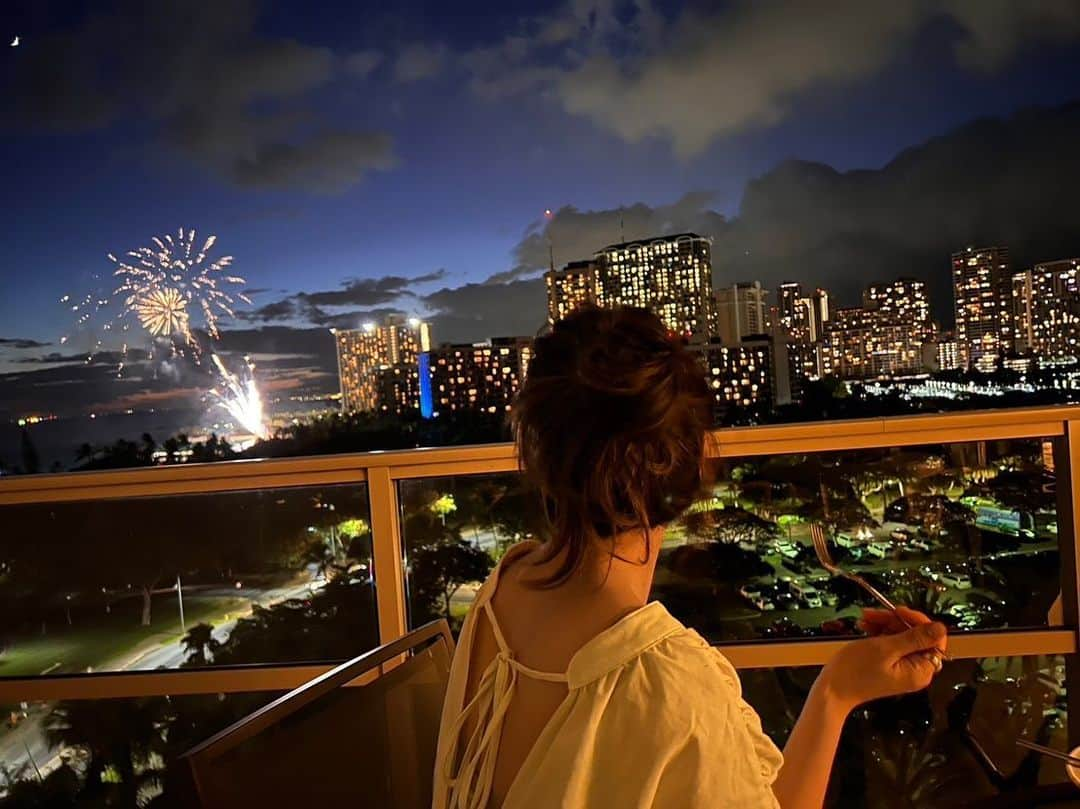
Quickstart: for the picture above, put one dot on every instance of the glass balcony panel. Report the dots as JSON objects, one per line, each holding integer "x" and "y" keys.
{"x": 964, "y": 532}
{"x": 277, "y": 575}
{"x": 924, "y": 749}
{"x": 116, "y": 752}
{"x": 454, "y": 530}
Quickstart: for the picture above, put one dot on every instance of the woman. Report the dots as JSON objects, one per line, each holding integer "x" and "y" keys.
{"x": 569, "y": 688}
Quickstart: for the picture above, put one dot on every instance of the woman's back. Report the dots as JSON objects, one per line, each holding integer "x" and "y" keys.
{"x": 643, "y": 712}
{"x": 545, "y": 628}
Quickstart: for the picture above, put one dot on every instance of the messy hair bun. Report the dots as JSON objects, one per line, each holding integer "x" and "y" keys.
{"x": 610, "y": 427}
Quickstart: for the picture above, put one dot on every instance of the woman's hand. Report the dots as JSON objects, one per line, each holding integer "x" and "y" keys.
{"x": 894, "y": 660}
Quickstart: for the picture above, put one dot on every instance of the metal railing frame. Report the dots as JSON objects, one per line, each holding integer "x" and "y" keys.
{"x": 382, "y": 471}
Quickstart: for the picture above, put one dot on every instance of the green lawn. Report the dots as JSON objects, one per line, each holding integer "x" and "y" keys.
{"x": 112, "y": 641}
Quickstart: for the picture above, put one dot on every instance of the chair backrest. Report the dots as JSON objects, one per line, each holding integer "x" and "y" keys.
{"x": 362, "y": 734}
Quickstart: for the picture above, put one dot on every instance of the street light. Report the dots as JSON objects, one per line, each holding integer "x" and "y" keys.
{"x": 180, "y": 601}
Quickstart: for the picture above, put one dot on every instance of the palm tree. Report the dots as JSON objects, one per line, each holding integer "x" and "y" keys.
{"x": 200, "y": 644}
{"x": 926, "y": 600}
{"x": 148, "y": 447}
{"x": 904, "y": 772}
{"x": 119, "y": 743}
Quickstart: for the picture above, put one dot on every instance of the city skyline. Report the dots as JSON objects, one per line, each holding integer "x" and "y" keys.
{"x": 439, "y": 211}
{"x": 755, "y": 356}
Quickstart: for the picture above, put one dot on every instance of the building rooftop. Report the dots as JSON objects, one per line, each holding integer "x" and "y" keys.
{"x": 653, "y": 240}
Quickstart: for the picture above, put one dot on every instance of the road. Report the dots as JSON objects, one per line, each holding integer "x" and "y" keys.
{"x": 24, "y": 746}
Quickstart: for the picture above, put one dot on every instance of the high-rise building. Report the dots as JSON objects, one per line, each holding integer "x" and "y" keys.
{"x": 806, "y": 363}
{"x": 817, "y": 308}
{"x": 569, "y": 288}
{"x": 481, "y": 377}
{"x": 364, "y": 354}
{"x": 1020, "y": 311}
{"x": 865, "y": 343}
{"x": 740, "y": 376}
{"x": 1054, "y": 323}
{"x": 740, "y": 312}
{"x": 850, "y": 341}
{"x": 671, "y": 276}
{"x": 793, "y": 311}
{"x": 902, "y": 300}
{"x": 982, "y": 288}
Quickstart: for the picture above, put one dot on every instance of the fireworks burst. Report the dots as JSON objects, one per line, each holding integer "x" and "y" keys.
{"x": 163, "y": 312}
{"x": 164, "y": 286}
{"x": 240, "y": 397}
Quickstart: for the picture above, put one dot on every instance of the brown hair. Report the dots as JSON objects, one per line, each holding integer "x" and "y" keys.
{"x": 610, "y": 427}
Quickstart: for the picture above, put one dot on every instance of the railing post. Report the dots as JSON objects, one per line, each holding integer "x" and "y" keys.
{"x": 386, "y": 547}
{"x": 1066, "y": 469}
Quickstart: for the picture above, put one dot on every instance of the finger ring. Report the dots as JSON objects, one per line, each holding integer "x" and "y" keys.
{"x": 937, "y": 662}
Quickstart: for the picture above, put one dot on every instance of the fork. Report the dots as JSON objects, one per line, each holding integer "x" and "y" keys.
{"x": 821, "y": 547}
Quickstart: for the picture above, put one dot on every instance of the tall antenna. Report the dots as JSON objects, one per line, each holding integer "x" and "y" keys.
{"x": 622, "y": 227}
{"x": 548, "y": 215}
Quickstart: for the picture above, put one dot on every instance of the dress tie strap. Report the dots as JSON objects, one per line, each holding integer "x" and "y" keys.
{"x": 469, "y": 775}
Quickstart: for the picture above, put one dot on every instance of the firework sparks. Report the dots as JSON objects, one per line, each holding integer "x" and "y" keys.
{"x": 165, "y": 286}
{"x": 240, "y": 397}
{"x": 163, "y": 312}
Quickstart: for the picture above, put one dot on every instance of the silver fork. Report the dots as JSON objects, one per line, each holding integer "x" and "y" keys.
{"x": 821, "y": 547}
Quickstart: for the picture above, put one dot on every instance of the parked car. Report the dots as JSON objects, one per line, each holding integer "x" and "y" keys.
{"x": 795, "y": 566}
{"x": 929, "y": 572}
{"x": 900, "y": 535}
{"x": 764, "y": 604}
{"x": 846, "y": 541}
{"x": 786, "y": 601}
{"x": 878, "y": 549}
{"x": 960, "y": 581}
{"x": 789, "y": 551}
{"x": 919, "y": 545}
{"x": 839, "y": 626}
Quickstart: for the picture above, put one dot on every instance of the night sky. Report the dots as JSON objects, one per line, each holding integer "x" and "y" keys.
{"x": 363, "y": 161}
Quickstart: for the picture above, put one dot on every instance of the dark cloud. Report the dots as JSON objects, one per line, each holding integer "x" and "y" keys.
{"x": 365, "y": 293}
{"x": 1001, "y": 181}
{"x": 329, "y": 161}
{"x": 228, "y": 98}
{"x": 1008, "y": 182}
{"x": 99, "y": 384}
{"x": 15, "y": 342}
{"x": 419, "y": 61}
{"x": 108, "y": 358}
{"x": 349, "y": 320}
{"x": 278, "y": 310}
{"x": 574, "y": 234}
{"x": 370, "y": 291}
{"x": 477, "y": 311}
{"x": 712, "y": 70}
{"x": 361, "y": 63}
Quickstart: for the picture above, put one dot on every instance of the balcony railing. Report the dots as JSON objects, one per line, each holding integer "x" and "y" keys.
{"x": 377, "y": 489}
{"x": 382, "y": 471}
